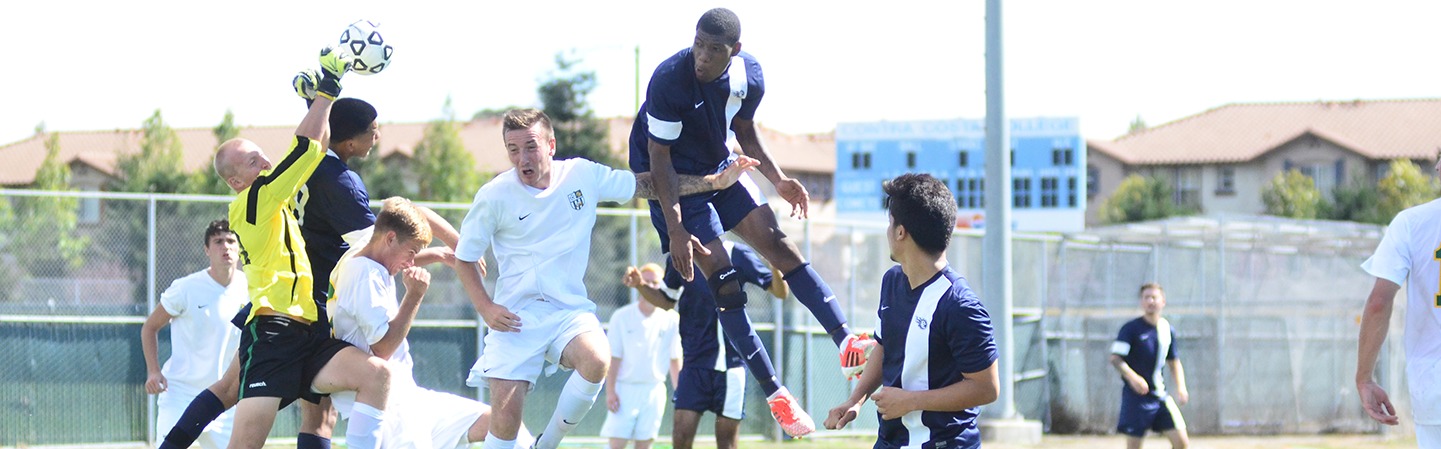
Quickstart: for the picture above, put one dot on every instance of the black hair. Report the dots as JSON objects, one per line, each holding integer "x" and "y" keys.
{"x": 350, "y": 117}
{"x": 721, "y": 22}
{"x": 217, "y": 227}
{"x": 924, "y": 206}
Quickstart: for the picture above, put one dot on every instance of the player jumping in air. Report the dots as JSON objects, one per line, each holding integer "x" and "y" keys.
{"x": 695, "y": 99}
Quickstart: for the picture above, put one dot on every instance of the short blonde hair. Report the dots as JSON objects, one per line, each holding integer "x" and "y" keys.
{"x": 653, "y": 268}
{"x": 400, "y": 215}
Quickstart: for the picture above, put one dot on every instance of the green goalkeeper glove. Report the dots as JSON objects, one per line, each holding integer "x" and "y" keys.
{"x": 305, "y": 83}
{"x": 333, "y": 65}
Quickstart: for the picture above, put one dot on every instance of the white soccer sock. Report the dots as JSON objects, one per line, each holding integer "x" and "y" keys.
{"x": 494, "y": 442}
{"x": 523, "y": 438}
{"x": 364, "y": 429}
{"x": 575, "y": 400}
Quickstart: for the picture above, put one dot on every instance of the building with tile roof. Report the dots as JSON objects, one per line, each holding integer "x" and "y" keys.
{"x": 92, "y": 155}
{"x": 1219, "y": 160}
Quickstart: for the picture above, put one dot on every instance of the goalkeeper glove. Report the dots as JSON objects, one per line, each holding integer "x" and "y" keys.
{"x": 333, "y": 65}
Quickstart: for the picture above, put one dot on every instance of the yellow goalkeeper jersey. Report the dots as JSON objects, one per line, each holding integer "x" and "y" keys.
{"x": 263, "y": 218}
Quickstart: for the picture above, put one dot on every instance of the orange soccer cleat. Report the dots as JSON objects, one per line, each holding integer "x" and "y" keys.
{"x": 855, "y": 351}
{"x": 794, "y": 420}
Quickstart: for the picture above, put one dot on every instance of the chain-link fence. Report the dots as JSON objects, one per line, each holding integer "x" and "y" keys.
{"x": 1266, "y": 331}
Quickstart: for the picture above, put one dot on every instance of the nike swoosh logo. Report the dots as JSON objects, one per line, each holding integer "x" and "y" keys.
{"x": 202, "y": 306}
{"x": 522, "y": 217}
{"x": 753, "y": 354}
{"x": 830, "y": 298}
{"x": 568, "y": 423}
{"x": 885, "y": 307}
{"x": 697, "y": 105}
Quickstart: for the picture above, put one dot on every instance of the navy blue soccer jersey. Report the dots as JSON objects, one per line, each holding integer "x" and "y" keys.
{"x": 700, "y": 333}
{"x": 1143, "y": 346}
{"x": 694, "y": 118}
{"x": 332, "y": 203}
{"x": 931, "y": 335}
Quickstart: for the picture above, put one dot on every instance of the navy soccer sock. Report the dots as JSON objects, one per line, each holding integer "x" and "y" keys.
{"x": 311, "y": 441}
{"x": 201, "y": 411}
{"x": 737, "y": 327}
{"x": 813, "y": 293}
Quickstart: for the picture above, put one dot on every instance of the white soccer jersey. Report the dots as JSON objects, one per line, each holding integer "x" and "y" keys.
{"x": 541, "y": 240}
{"x": 202, "y": 340}
{"x": 364, "y": 304}
{"x": 1407, "y": 256}
{"x": 645, "y": 345}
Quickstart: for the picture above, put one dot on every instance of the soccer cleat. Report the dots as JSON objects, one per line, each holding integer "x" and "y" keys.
{"x": 855, "y": 351}
{"x": 794, "y": 420}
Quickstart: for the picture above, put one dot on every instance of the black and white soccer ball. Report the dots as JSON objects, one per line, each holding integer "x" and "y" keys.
{"x": 372, "y": 51}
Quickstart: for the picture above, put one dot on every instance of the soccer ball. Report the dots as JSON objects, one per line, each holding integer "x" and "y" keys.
{"x": 372, "y": 52}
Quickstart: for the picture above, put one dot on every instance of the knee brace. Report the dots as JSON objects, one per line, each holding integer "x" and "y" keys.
{"x": 727, "y": 279}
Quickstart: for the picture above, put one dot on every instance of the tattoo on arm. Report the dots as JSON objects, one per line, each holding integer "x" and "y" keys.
{"x": 689, "y": 185}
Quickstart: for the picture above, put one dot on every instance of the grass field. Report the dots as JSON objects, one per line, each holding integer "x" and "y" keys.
{"x": 1114, "y": 442}
{"x": 1063, "y": 442}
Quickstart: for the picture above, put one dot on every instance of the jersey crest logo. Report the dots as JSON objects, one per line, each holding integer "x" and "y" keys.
{"x": 922, "y": 323}
{"x": 577, "y": 200}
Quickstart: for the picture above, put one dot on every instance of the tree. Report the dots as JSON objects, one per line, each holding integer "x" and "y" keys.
{"x": 1140, "y": 198}
{"x": 157, "y": 167}
{"x": 489, "y": 113}
{"x": 1354, "y": 201}
{"x": 1293, "y": 195}
{"x": 445, "y": 170}
{"x": 1137, "y": 125}
{"x": 204, "y": 180}
{"x": 43, "y": 228}
{"x": 577, "y": 132}
{"x": 1404, "y": 185}
{"x": 381, "y": 181}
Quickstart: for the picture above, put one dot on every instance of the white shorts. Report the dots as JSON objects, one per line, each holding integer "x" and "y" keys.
{"x": 425, "y": 419}
{"x": 545, "y": 330}
{"x": 172, "y": 402}
{"x": 641, "y": 409}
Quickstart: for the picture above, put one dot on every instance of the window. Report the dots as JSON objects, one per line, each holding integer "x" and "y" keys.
{"x": 1225, "y": 180}
{"x": 1093, "y": 181}
{"x": 1071, "y": 189}
{"x": 866, "y": 160}
{"x": 961, "y": 193}
{"x": 1013, "y": 158}
{"x": 855, "y": 160}
{"x": 965, "y": 158}
{"x": 1062, "y": 156}
{"x": 1049, "y": 192}
{"x": 1021, "y": 195}
{"x": 910, "y": 159}
{"x": 1187, "y": 187}
{"x": 89, "y": 210}
{"x": 981, "y": 194}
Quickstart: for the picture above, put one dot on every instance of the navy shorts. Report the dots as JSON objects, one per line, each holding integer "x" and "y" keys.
{"x": 703, "y": 389}
{"x": 280, "y": 357}
{"x": 1140, "y": 413}
{"x": 708, "y": 215}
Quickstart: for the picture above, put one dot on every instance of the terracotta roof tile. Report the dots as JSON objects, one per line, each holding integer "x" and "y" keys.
{"x": 1376, "y": 129}
{"x": 814, "y": 153}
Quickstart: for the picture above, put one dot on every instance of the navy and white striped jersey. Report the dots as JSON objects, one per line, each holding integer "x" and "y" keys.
{"x": 694, "y": 118}
{"x": 931, "y": 335}
{"x": 1144, "y": 346}
{"x": 700, "y": 333}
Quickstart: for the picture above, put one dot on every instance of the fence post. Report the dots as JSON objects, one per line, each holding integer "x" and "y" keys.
{"x": 150, "y": 305}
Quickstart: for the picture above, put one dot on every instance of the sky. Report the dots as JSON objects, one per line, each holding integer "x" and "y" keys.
{"x": 102, "y": 65}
